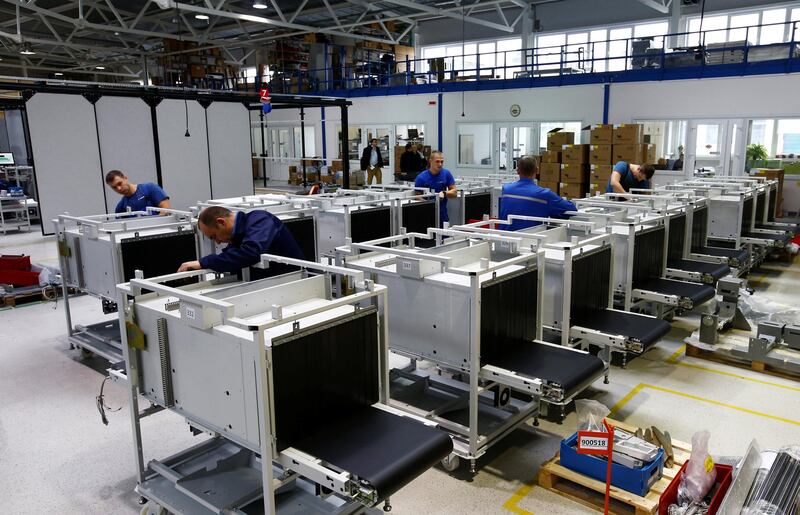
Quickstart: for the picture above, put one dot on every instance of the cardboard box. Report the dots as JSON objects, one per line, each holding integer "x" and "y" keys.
{"x": 357, "y": 178}
{"x": 630, "y": 152}
{"x": 556, "y": 139}
{"x": 633, "y": 133}
{"x": 575, "y": 154}
{"x": 573, "y": 173}
{"x": 601, "y": 135}
{"x": 327, "y": 179}
{"x": 600, "y": 154}
{"x": 601, "y": 173}
{"x": 550, "y": 172}
{"x": 552, "y": 186}
{"x": 597, "y": 187}
{"x": 551, "y": 156}
{"x": 197, "y": 70}
{"x": 572, "y": 190}
{"x": 649, "y": 156}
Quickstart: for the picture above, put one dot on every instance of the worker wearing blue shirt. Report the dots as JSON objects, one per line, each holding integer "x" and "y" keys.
{"x": 248, "y": 235}
{"x": 439, "y": 179}
{"x": 627, "y": 176}
{"x": 136, "y": 197}
{"x": 526, "y": 198}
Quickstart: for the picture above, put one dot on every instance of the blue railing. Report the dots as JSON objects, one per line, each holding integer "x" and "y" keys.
{"x": 529, "y": 64}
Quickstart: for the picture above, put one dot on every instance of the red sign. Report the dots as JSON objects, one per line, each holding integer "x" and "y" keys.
{"x": 599, "y": 443}
{"x": 265, "y": 95}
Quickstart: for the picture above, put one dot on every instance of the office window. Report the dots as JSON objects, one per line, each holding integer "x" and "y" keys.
{"x": 741, "y": 34}
{"x": 773, "y": 33}
{"x": 405, "y": 133}
{"x": 475, "y": 144}
{"x": 310, "y": 144}
{"x": 669, "y": 137}
{"x": 707, "y": 144}
{"x": 788, "y": 140}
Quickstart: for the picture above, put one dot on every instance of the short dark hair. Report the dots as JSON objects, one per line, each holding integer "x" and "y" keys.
{"x": 527, "y": 166}
{"x": 113, "y": 174}
{"x": 409, "y": 145}
{"x": 373, "y": 139}
{"x": 211, "y": 213}
{"x": 648, "y": 170}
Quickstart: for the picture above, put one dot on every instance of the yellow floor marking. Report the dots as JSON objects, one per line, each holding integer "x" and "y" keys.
{"x": 511, "y": 504}
{"x": 674, "y": 358}
{"x": 737, "y": 376}
{"x": 638, "y": 388}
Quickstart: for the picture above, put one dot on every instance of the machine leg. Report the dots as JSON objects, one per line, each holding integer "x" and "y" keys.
{"x": 605, "y": 378}
{"x": 142, "y": 500}
{"x": 387, "y": 506}
{"x": 472, "y": 468}
{"x": 536, "y": 422}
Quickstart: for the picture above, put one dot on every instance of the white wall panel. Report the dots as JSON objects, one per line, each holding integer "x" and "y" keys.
{"x": 125, "y": 128}
{"x": 66, "y": 157}
{"x": 184, "y": 161}
{"x": 229, "y": 149}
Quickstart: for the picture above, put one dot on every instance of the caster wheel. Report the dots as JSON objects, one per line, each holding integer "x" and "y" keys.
{"x": 86, "y": 354}
{"x": 387, "y": 507}
{"x": 451, "y": 463}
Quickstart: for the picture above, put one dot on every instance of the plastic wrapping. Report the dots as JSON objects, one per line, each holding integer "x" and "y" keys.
{"x": 758, "y": 309}
{"x": 590, "y": 414}
{"x": 778, "y": 491}
{"x": 700, "y": 474}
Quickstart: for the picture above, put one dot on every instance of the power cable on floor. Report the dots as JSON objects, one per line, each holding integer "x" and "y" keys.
{"x": 102, "y": 407}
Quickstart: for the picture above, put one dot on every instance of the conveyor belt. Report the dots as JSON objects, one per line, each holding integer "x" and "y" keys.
{"x": 385, "y": 449}
{"x": 774, "y": 237}
{"x": 643, "y": 329}
{"x": 697, "y": 293}
{"x": 778, "y": 226}
{"x": 740, "y": 254}
{"x": 715, "y": 270}
{"x": 560, "y": 365}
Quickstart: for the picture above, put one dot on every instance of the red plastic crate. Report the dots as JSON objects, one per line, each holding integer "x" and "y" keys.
{"x": 723, "y": 480}
{"x": 19, "y": 277}
{"x": 11, "y": 262}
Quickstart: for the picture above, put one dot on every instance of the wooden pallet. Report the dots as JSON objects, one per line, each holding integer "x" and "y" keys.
{"x": 590, "y": 492}
{"x": 11, "y": 300}
{"x": 743, "y": 363}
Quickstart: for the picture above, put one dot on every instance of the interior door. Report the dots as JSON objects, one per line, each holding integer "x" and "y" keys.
{"x": 717, "y": 145}
{"x": 383, "y": 135}
{"x": 512, "y": 142}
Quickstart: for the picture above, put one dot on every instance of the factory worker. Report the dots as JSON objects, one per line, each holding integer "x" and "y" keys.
{"x": 524, "y": 197}
{"x": 136, "y": 197}
{"x": 439, "y": 179}
{"x": 627, "y": 176}
{"x": 248, "y": 235}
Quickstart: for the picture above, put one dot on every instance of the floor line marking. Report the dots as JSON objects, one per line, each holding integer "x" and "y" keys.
{"x": 674, "y": 358}
{"x": 511, "y": 504}
{"x": 638, "y": 388}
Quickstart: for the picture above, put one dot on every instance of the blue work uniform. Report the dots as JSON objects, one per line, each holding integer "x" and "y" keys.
{"x": 628, "y": 181}
{"x": 146, "y": 195}
{"x": 439, "y": 182}
{"x": 255, "y": 233}
{"x": 526, "y": 198}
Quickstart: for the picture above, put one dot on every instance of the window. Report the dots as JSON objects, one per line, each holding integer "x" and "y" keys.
{"x": 773, "y": 33}
{"x": 577, "y": 50}
{"x": 707, "y": 144}
{"x": 310, "y": 144}
{"x": 475, "y": 144}
{"x": 788, "y": 137}
{"x": 353, "y": 141}
{"x": 743, "y": 34}
{"x": 795, "y": 14}
{"x": 711, "y": 28}
{"x": 404, "y": 134}
{"x": 249, "y": 74}
{"x": 487, "y": 56}
{"x": 511, "y": 55}
{"x": 546, "y": 127}
{"x": 618, "y": 48}
{"x": 669, "y": 137}
{"x": 598, "y": 48}
{"x": 652, "y": 30}
{"x": 781, "y": 137}
{"x": 548, "y": 50}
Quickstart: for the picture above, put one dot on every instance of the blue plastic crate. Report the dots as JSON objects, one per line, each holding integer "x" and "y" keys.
{"x": 637, "y": 481}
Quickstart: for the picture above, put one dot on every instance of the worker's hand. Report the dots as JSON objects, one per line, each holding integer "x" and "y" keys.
{"x": 190, "y": 265}
{"x": 442, "y": 194}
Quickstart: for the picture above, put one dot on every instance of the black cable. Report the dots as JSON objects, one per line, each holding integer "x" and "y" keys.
{"x": 102, "y": 407}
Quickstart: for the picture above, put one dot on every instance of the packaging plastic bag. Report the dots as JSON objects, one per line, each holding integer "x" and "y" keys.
{"x": 778, "y": 492}
{"x": 699, "y": 475}
{"x": 758, "y": 309}
{"x": 590, "y": 414}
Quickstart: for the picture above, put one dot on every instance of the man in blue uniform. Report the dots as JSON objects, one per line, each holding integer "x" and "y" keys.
{"x": 248, "y": 235}
{"x": 136, "y": 197}
{"x": 526, "y": 198}
{"x": 627, "y": 176}
{"x": 439, "y": 179}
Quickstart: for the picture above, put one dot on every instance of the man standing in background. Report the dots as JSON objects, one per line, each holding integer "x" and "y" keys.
{"x": 372, "y": 162}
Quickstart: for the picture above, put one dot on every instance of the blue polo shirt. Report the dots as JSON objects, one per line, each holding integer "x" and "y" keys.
{"x": 628, "y": 181}
{"x": 255, "y": 233}
{"x": 528, "y": 199}
{"x": 439, "y": 182}
{"x": 146, "y": 195}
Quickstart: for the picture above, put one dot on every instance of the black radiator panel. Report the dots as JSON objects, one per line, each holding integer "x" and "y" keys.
{"x": 508, "y": 312}
{"x": 747, "y": 214}
{"x": 648, "y": 255}
{"x": 699, "y": 228}
{"x": 324, "y": 375}
{"x": 591, "y": 279}
{"x": 476, "y": 205}
{"x": 370, "y": 224}
{"x": 761, "y": 200}
{"x": 158, "y": 254}
{"x": 773, "y": 204}
{"x": 419, "y": 216}
{"x": 304, "y": 234}
{"x": 677, "y": 232}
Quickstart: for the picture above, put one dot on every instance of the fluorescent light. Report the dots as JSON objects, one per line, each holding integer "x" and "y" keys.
{"x": 27, "y": 50}
{"x": 201, "y": 16}
{"x": 100, "y": 67}
{"x": 58, "y": 74}
{"x": 259, "y": 5}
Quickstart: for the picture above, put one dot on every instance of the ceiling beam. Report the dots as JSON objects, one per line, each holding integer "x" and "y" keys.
{"x": 658, "y": 6}
{"x": 449, "y": 14}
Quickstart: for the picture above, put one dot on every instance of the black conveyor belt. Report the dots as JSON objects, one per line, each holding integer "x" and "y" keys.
{"x": 385, "y": 449}
{"x": 568, "y": 368}
{"x": 740, "y": 254}
{"x": 715, "y": 270}
{"x": 698, "y": 293}
{"x": 778, "y": 226}
{"x": 784, "y": 237}
{"x": 644, "y": 329}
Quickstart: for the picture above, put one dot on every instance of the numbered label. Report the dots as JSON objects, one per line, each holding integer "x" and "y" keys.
{"x": 190, "y": 313}
{"x": 593, "y": 443}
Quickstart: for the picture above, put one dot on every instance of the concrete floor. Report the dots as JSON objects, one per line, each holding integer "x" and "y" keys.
{"x": 56, "y": 456}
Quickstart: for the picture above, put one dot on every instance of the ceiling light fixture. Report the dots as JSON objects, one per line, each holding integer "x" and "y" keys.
{"x": 259, "y": 5}
{"x": 58, "y": 74}
{"x": 27, "y": 50}
{"x": 100, "y": 67}
{"x": 201, "y": 16}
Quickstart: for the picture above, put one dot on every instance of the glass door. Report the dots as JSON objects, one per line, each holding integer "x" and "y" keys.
{"x": 383, "y": 134}
{"x": 513, "y": 142}
{"x": 716, "y": 146}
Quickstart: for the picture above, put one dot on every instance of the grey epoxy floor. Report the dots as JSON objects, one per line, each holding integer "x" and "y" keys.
{"x": 57, "y": 457}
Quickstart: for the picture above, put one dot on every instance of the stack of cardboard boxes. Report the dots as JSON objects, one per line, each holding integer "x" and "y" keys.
{"x": 610, "y": 144}
{"x": 574, "y": 171}
{"x": 550, "y": 160}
